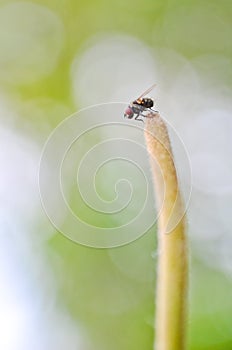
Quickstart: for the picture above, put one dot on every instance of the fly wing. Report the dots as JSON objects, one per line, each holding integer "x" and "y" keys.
{"x": 146, "y": 92}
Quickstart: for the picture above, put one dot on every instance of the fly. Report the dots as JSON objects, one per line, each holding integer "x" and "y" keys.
{"x": 140, "y": 105}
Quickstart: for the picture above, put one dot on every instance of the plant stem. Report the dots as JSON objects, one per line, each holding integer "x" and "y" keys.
{"x": 171, "y": 291}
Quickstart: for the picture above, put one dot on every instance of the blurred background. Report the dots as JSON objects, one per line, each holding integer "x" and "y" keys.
{"x": 56, "y": 58}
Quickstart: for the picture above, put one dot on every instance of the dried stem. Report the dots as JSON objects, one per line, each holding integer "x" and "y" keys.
{"x": 172, "y": 262}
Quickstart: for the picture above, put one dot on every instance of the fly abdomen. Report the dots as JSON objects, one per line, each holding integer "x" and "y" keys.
{"x": 147, "y": 102}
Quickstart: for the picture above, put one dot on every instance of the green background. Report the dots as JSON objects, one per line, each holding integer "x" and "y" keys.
{"x": 112, "y": 307}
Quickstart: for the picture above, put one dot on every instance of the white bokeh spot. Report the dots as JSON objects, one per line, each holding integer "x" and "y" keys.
{"x": 119, "y": 64}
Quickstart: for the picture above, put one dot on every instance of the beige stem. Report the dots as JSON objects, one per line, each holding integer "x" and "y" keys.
{"x": 172, "y": 246}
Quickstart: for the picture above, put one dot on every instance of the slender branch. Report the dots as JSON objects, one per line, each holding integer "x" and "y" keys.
{"x": 171, "y": 291}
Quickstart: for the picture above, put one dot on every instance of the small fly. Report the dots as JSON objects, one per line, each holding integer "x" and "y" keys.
{"x": 140, "y": 105}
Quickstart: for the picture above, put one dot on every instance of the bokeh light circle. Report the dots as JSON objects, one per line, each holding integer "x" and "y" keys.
{"x": 96, "y": 188}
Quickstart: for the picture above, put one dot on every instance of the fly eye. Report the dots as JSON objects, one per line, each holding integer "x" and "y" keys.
{"x": 128, "y": 113}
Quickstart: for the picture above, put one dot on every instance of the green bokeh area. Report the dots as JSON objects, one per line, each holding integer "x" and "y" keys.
{"x": 110, "y": 292}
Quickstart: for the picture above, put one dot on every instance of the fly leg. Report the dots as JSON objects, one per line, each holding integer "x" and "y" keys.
{"x": 151, "y": 115}
{"x": 137, "y": 117}
{"x": 154, "y": 111}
